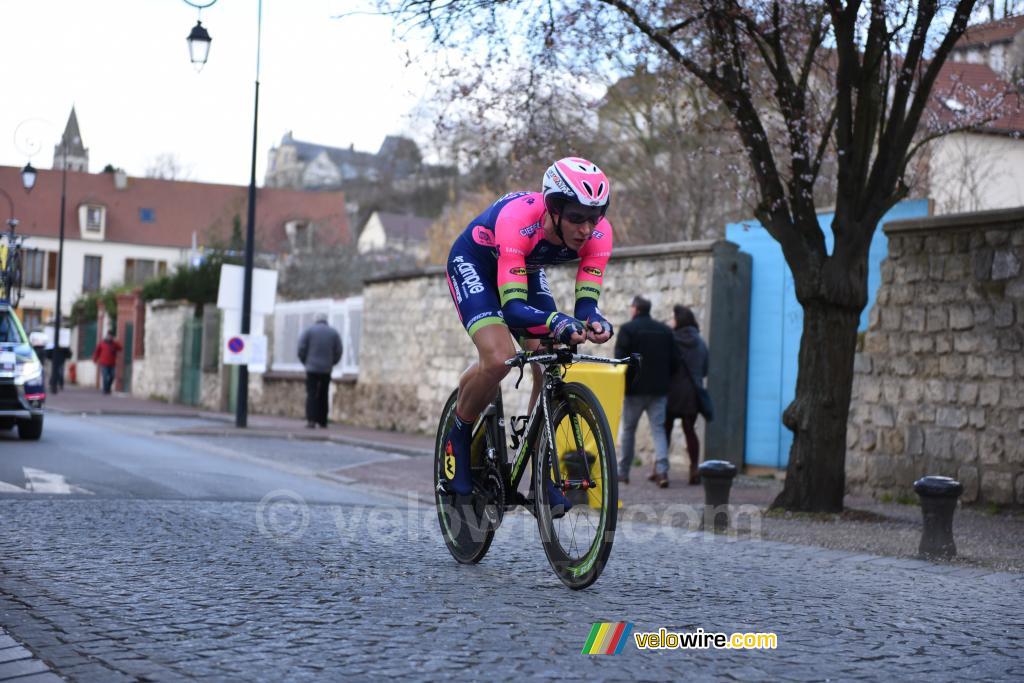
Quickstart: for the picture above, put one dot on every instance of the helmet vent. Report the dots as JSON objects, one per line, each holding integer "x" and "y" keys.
{"x": 588, "y": 187}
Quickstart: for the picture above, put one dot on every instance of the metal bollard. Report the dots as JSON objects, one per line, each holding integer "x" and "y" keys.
{"x": 717, "y": 476}
{"x": 938, "y": 503}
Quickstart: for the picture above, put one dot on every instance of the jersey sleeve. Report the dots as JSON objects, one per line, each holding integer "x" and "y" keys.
{"x": 513, "y": 229}
{"x": 590, "y": 275}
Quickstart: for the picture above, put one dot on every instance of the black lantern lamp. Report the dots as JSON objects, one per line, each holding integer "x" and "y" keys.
{"x": 28, "y": 177}
{"x": 199, "y": 45}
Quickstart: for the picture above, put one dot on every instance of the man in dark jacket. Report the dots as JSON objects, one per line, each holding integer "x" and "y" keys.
{"x": 682, "y": 396}
{"x": 319, "y": 351}
{"x": 646, "y": 388}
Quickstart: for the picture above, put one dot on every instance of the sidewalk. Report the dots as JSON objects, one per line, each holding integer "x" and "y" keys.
{"x": 82, "y": 401}
{"x": 984, "y": 538}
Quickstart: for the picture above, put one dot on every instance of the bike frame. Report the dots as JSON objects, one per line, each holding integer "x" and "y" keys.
{"x": 493, "y": 420}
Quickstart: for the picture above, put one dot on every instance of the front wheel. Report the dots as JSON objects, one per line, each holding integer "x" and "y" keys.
{"x": 578, "y": 544}
{"x": 31, "y": 429}
{"x": 466, "y": 530}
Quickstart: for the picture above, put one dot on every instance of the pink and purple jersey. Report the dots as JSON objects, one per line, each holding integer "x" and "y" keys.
{"x": 505, "y": 247}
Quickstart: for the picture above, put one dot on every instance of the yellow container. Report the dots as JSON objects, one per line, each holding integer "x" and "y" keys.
{"x": 608, "y": 382}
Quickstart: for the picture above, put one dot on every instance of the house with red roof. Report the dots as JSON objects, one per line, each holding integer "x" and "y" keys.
{"x": 998, "y": 44}
{"x": 980, "y": 166}
{"x": 120, "y": 229}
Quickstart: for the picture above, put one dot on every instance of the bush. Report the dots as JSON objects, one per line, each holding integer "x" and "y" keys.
{"x": 196, "y": 284}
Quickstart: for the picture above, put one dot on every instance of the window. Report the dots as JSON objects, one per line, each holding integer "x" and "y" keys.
{"x": 92, "y": 221}
{"x": 137, "y": 271}
{"x": 9, "y": 333}
{"x": 147, "y": 215}
{"x": 51, "y": 270}
{"x": 33, "y": 268}
{"x": 94, "y": 218}
{"x": 32, "y": 319}
{"x": 300, "y": 235}
{"x": 91, "y": 273}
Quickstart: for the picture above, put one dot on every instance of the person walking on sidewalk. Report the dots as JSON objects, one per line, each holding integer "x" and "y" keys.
{"x": 682, "y": 396}
{"x": 646, "y": 388}
{"x": 319, "y": 351}
{"x": 105, "y": 358}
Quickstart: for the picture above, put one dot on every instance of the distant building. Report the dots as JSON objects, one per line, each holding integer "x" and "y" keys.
{"x": 310, "y": 166}
{"x": 981, "y": 168}
{"x": 395, "y": 233}
{"x": 998, "y": 44}
{"x": 71, "y": 151}
{"x": 126, "y": 230}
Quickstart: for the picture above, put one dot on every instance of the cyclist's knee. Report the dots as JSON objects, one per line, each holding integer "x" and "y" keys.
{"x": 492, "y": 363}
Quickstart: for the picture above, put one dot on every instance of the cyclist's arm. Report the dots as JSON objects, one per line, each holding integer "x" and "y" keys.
{"x": 590, "y": 275}
{"x": 512, "y": 279}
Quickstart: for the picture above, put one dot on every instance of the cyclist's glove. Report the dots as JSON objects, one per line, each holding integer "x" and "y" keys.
{"x": 563, "y": 327}
{"x": 605, "y": 325}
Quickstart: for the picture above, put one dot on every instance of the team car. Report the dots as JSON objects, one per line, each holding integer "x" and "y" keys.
{"x": 22, "y": 392}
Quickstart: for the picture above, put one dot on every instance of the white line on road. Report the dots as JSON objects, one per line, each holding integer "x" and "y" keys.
{"x": 40, "y": 481}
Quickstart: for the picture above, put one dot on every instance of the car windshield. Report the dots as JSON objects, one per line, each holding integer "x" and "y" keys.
{"x": 10, "y": 332}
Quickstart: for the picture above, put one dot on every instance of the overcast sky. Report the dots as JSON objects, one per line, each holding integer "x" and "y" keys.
{"x": 124, "y": 65}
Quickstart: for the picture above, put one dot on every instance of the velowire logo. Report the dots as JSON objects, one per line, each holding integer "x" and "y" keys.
{"x": 607, "y": 639}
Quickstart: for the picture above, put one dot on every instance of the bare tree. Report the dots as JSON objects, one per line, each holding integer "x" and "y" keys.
{"x": 672, "y": 153}
{"x": 167, "y": 166}
{"x": 880, "y": 59}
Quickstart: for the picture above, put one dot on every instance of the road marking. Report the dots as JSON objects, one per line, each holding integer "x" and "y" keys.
{"x": 10, "y": 488}
{"x": 40, "y": 481}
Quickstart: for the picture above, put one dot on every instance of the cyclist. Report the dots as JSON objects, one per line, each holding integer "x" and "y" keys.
{"x": 497, "y": 281}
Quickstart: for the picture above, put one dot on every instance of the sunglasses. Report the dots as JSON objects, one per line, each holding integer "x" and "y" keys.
{"x": 579, "y": 218}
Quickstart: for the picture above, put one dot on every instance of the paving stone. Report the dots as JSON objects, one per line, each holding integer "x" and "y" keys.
{"x": 194, "y": 590}
{"x": 21, "y": 667}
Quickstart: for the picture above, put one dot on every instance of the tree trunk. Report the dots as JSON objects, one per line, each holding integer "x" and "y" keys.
{"x": 816, "y": 476}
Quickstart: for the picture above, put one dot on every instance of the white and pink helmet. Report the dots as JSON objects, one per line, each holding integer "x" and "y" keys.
{"x": 573, "y": 179}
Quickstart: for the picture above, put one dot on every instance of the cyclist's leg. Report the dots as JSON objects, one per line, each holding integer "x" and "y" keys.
{"x": 475, "y": 294}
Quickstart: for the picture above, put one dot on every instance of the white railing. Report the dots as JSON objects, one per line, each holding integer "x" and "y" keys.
{"x": 292, "y": 317}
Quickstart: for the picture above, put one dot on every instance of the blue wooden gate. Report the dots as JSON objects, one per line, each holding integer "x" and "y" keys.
{"x": 776, "y": 325}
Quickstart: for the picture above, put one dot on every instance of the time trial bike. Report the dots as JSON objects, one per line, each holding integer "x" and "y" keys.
{"x": 567, "y": 439}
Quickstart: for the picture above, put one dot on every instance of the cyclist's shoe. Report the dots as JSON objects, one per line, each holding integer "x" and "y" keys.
{"x": 559, "y": 503}
{"x": 458, "y": 450}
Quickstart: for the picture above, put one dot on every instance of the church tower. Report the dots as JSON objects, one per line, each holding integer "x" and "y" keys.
{"x": 70, "y": 148}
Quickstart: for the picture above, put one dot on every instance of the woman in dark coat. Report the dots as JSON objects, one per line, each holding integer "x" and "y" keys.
{"x": 682, "y": 394}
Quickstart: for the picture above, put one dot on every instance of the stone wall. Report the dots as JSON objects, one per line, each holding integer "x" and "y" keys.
{"x": 414, "y": 349}
{"x": 158, "y": 374}
{"x": 939, "y": 384}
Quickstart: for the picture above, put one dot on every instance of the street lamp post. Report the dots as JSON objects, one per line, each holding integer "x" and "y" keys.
{"x": 57, "y": 371}
{"x": 199, "y": 49}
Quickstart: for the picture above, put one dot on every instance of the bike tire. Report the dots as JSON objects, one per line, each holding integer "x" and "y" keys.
{"x": 467, "y": 539}
{"x": 580, "y": 564}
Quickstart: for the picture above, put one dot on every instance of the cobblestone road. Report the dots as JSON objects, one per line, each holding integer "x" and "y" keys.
{"x": 108, "y": 590}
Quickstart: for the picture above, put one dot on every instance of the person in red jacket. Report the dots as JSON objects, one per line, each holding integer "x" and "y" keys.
{"x": 105, "y": 356}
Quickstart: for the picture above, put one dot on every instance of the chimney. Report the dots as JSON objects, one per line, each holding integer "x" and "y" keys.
{"x": 120, "y": 179}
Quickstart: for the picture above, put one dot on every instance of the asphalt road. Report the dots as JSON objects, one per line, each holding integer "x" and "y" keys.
{"x": 173, "y": 564}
